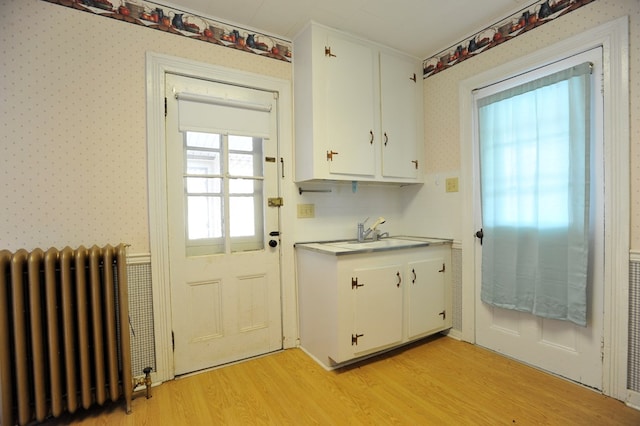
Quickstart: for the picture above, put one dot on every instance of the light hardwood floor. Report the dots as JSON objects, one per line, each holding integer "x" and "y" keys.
{"x": 439, "y": 381}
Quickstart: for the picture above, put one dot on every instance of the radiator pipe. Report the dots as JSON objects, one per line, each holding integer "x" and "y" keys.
{"x": 147, "y": 380}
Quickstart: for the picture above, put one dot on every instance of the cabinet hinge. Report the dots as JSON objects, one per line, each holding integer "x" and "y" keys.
{"x": 354, "y": 283}
{"x": 444, "y": 314}
{"x": 327, "y": 52}
{"x": 354, "y": 339}
{"x": 165, "y": 106}
{"x": 415, "y": 163}
{"x": 443, "y": 268}
{"x": 173, "y": 341}
{"x": 330, "y": 155}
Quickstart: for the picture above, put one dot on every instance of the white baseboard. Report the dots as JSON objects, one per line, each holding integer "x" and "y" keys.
{"x": 633, "y": 399}
{"x": 455, "y": 334}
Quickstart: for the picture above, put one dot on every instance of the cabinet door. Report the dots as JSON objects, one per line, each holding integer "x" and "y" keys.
{"x": 377, "y": 308}
{"x": 426, "y": 296}
{"x": 400, "y": 104}
{"x": 352, "y": 107}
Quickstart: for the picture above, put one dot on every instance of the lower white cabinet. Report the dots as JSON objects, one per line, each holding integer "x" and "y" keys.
{"x": 355, "y": 305}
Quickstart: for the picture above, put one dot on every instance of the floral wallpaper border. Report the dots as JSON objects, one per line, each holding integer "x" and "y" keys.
{"x": 521, "y": 22}
{"x": 156, "y": 16}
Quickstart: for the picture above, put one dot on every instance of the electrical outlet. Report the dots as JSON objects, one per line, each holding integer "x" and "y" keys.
{"x": 306, "y": 211}
{"x": 451, "y": 184}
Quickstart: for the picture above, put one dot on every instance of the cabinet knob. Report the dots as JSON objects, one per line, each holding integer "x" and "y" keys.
{"x": 414, "y": 79}
{"x": 415, "y": 162}
{"x": 386, "y": 138}
{"x": 399, "y": 279}
{"x": 371, "y": 140}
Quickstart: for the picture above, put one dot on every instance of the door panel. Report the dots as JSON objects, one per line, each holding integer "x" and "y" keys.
{"x": 378, "y": 307}
{"x": 204, "y": 298}
{"x": 225, "y": 281}
{"x": 399, "y": 102}
{"x": 351, "y": 121}
{"x": 426, "y": 296}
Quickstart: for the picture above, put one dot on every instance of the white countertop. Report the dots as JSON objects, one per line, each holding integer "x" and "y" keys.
{"x": 343, "y": 247}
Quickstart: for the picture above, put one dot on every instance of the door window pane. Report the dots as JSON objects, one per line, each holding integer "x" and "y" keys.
{"x": 203, "y": 140}
{"x": 246, "y": 195}
{"x": 203, "y": 185}
{"x": 241, "y": 143}
{"x": 241, "y": 186}
{"x": 204, "y": 217}
{"x": 223, "y": 170}
{"x": 242, "y": 212}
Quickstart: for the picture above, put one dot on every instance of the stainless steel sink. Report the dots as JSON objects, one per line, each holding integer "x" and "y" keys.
{"x": 377, "y": 244}
{"x": 346, "y": 247}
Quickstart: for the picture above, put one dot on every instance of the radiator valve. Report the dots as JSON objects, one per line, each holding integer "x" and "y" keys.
{"x": 143, "y": 381}
{"x": 147, "y": 380}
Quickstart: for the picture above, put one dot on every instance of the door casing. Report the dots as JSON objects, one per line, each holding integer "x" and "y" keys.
{"x": 613, "y": 37}
{"x": 157, "y": 65}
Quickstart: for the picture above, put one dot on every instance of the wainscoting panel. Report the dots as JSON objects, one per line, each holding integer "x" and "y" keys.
{"x": 141, "y": 314}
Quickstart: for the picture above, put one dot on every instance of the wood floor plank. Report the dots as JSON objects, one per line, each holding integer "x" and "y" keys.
{"x": 439, "y": 381}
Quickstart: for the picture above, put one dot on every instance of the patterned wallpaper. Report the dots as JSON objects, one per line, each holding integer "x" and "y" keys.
{"x": 72, "y": 123}
{"x": 442, "y": 128}
{"x": 175, "y": 21}
{"x": 527, "y": 19}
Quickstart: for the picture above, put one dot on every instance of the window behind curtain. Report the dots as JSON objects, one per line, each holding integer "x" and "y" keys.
{"x": 534, "y": 155}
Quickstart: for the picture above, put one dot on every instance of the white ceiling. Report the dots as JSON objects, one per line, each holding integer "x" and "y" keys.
{"x": 419, "y": 27}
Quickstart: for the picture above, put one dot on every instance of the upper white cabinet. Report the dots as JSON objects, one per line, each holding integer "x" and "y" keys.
{"x": 358, "y": 110}
{"x": 401, "y": 115}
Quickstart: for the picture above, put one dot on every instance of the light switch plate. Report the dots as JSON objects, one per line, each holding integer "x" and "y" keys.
{"x": 451, "y": 184}
{"x": 306, "y": 211}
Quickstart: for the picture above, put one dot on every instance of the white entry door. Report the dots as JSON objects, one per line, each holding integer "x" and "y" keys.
{"x": 223, "y": 237}
{"x": 560, "y": 347}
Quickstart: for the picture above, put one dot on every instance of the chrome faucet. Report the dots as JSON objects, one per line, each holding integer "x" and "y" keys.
{"x": 362, "y": 234}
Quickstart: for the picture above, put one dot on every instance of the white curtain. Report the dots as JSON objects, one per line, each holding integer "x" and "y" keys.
{"x": 534, "y": 156}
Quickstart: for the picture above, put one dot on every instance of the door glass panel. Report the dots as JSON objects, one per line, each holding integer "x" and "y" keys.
{"x": 223, "y": 171}
{"x": 204, "y": 194}
{"x": 204, "y": 185}
{"x": 245, "y": 194}
{"x": 203, "y": 140}
{"x": 241, "y": 143}
{"x": 242, "y": 216}
{"x": 204, "y": 217}
{"x": 245, "y": 156}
